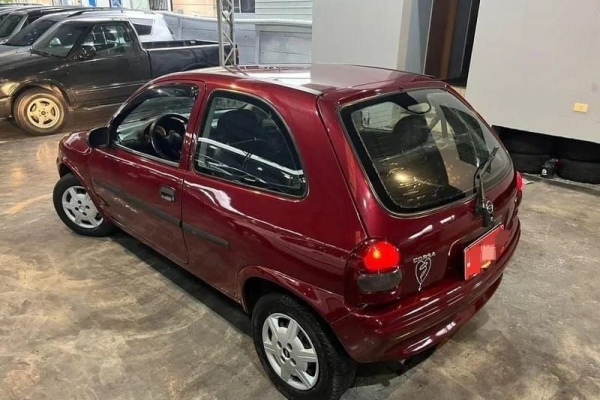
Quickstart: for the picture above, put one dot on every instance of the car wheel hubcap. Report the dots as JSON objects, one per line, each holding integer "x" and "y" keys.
{"x": 290, "y": 352}
{"x": 43, "y": 113}
{"x": 80, "y": 209}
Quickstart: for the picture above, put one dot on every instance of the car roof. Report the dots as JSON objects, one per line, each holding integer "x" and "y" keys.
{"x": 99, "y": 13}
{"x": 316, "y": 78}
{"x": 101, "y": 17}
{"x": 42, "y": 10}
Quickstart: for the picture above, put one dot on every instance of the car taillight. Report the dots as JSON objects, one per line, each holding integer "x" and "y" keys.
{"x": 374, "y": 273}
{"x": 519, "y": 182}
{"x": 381, "y": 256}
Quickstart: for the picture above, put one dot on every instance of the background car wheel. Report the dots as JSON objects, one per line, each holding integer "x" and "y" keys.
{"x": 77, "y": 210}
{"x": 529, "y": 163}
{"x": 40, "y": 111}
{"x": 579, "y": 171}
{"x": 298, "y": 354}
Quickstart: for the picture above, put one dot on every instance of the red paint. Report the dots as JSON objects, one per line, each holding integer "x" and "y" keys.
{"x": 309, "y": 246}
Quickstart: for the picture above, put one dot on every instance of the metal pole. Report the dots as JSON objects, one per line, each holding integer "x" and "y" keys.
{"x": 225, "y": 27}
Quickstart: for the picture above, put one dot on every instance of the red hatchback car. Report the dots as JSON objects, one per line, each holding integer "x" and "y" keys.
{"x": 358, "y": 214}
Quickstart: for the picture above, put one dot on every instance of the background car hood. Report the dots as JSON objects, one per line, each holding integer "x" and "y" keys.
{"x": 16, "y": 66}
{"x": 8, "y": 50}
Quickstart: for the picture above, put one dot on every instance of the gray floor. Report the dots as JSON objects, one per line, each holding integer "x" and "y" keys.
{"x": 85, "y": 318}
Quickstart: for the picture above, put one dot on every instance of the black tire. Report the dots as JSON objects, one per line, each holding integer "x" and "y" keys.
{"x": 56, "y": 111}
{"x": 65, "y": 183}
{"x": 578, "y": 150}
{"x": 528, "y": 143}
{"x": 336, "y": 368}
{"x": 579, "y": 171}
{"x": 530, "y": 164}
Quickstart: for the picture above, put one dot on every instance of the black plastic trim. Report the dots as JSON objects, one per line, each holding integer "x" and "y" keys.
{"x": 139, "y": 203}
{"x": 205, "y": 235}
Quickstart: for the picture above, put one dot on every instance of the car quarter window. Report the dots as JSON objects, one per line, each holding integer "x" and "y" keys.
{"x": 143, "y": 27}
{"x": 109, "y": 39}
{"x": 243, "y": 140}
{"x": 155, "y": 122}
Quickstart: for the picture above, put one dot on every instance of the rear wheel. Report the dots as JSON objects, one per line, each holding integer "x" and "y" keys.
{"x": 298, "y": 354}
{"x": 76, "y": 209}
{"x": 40, "y": 111}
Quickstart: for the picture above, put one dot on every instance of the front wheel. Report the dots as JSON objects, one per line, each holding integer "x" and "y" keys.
{"x": 40, "y": 111}
{"x": 298, "y": 354}
{"x": 76, "y": 209}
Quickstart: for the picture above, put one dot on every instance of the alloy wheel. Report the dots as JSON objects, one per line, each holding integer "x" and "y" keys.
{"x": 43, "y": 112}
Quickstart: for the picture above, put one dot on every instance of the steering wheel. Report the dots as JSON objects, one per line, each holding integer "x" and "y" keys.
{"x": 166, "y": 135}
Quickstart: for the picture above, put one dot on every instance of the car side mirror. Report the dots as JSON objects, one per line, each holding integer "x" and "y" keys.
{"x": 99, "y": 137}
{"x": 86, "y": 52}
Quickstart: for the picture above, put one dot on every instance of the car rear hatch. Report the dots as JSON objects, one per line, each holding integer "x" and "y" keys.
{"x": 420, "y": 150}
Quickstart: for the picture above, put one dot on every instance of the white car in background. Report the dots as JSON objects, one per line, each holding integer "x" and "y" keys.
{"x": 150, "y": 27}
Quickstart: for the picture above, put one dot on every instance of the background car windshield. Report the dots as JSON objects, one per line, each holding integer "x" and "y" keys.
{"x": 31, "y": 33}
{"x": 59, "y": 42}
{"x": 422, "y": 148}
{"x": 9, "y": 24}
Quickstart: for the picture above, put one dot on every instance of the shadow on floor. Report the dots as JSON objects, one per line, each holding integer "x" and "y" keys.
{"x": 230, "y": 311}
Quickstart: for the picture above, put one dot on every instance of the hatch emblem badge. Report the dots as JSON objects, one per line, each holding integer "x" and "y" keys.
{"x": 422, "y": 267}
{"x": 489, "y": 206}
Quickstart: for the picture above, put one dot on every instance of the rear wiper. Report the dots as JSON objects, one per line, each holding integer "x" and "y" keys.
{"x": 484, "y": 207}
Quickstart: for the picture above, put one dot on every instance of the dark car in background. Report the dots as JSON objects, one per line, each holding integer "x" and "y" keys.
{"x": 87, "y": 62}
{"x": 8, "y": 8}
{"x": 22, "y": 17}
{"x": 150, "y": 26}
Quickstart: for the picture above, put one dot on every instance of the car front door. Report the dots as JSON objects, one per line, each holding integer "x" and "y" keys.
{"x": 245, "y": 181}
{"x": 139, "y": 176}
{"x": 107, "y": 66}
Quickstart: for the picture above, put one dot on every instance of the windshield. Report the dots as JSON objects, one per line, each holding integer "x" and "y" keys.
{"x": 60, "y": 41}
{"x": 421, "y": 148}
{"x": 9, "y": 24}
{"x": 31, "y": 33}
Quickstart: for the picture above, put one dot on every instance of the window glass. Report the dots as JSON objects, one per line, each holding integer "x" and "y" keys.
{"x": 244, "y": 6}
{"x": 9, "y": 24}
{"x": 421, "y": 148}
{"x": 156, "y": 121}
{"x": 109, "y": 39}
{"x": 27, "y": 36}
{"x": 244, "y": 141}
{"x": 143, "y": 27}
{"x": 59, "y": 42}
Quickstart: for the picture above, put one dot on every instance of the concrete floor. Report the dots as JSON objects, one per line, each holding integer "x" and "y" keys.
{"x": 109, "y": 318}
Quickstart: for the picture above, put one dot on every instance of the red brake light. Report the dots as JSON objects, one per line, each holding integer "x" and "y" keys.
{"x": 519, "y": 182}
{"x": 381, "y": 256}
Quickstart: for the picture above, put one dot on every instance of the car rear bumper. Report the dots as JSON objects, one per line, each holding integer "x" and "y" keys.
{"x": 417, "y": 324}
{"x": 5, "y": 107}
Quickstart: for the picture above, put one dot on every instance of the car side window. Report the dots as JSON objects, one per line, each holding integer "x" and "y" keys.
{"x": 243, "y": 140}
{"x": 143, "y": 27}
{"x": 155, "y": 122}
{"x": 111, "y": 39}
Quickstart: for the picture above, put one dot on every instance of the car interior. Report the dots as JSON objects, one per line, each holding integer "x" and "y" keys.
{"x": 246, "y": 144}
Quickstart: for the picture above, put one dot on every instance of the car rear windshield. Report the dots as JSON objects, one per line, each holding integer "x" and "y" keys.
{"x": 421, "y": 149}
{"x": 9, "y": 24}
{"x": 31, "y": 33}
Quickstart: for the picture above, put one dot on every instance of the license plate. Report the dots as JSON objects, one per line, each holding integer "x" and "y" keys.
{"x": 482, "y": 253}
